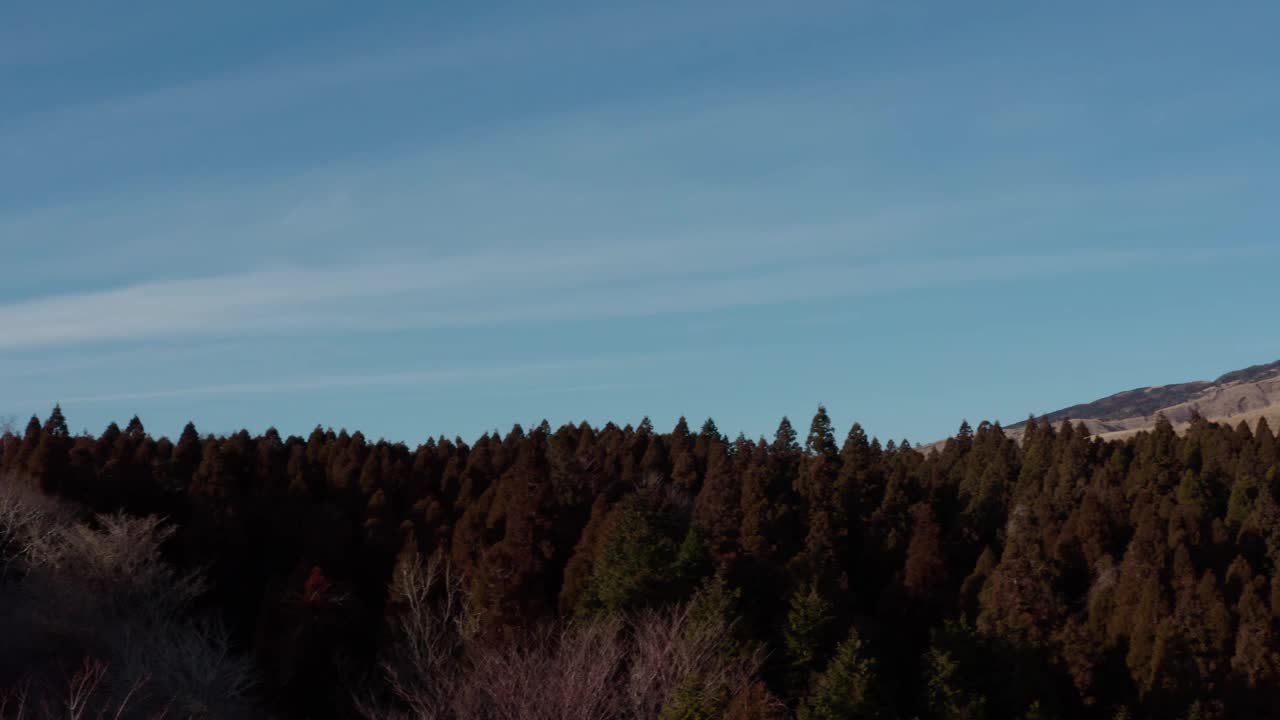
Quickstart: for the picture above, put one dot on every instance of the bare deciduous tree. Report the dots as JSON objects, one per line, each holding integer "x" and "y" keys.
{"x": 600, "y": 668}
{"x": 117, "y": 566}
{"x": 83, "y": 698}
{"x": 430, "y": 623}
{"x": 27, "y": 522}
{"x": 572, "y": 674}
{"x": 671, "y": 646}
{"x": 103, "y": 590}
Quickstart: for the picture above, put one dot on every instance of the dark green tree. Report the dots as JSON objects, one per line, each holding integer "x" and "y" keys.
{"x": 848, "y": 689}
{"x": 806, "y": 637}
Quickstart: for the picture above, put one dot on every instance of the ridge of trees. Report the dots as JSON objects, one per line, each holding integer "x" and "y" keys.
{"x": 1063, "y": 576}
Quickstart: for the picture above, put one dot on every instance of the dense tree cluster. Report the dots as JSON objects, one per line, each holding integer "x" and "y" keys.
{"x": 1059, "y": 576}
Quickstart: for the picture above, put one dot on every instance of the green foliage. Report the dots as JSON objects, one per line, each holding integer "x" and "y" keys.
{"x": 694, "y": 701}
{"x": 947, "y": 694}
{"x": 1243, "y": 494}
{"x": 641, "y": 565}
{"x": 636, "y": 565}
{"x": 847, "y": 689}
{"x": 715, "y": 602}
{"x": 784, "y": 438}
{"x": 716, "y": 605}
{"x": 693, "y": 560}
{"x": 805, "y": 637}
{"x": 822, "y": 439}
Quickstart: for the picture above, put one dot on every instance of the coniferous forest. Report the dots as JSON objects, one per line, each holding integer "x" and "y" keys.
{"x": 623, "y": 572}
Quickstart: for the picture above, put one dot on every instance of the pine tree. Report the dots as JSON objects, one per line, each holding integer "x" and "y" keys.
{"x": 1265, "y": 441}
{"x": 925, "y": 574}
{"x": 633, "y": 452}
{"x": 784, "y": 438}
{"x": 1255, "y": 662}
{"x": 848, "y": 688}
{"x": 1192, "y": 642}
{"x": 30, "y": 439}
{"x": 718, "y": 508}
{"x": 635, "y": 568}
{"x": 806, "y": 636}
{"x": 769, "y": 515}
{"x": 709, "y": 435}
{"x": 1019, "y": 603}
{"x": 56, "y": 425}
{"x": 684, "y": 466}
{"x": 821, "y": 558}
{"x": 859, "y": 484}
{"x": 693, "y": 563}
{"x": 947, "y": 695}
{"x": 971, "y": 588}
{"x": 575, "y": 589}
{"x": 186, "y": 457}
{"x": 655, "y": 464}
{"x": 715, "y": 605}
{"x": 48, "y": 462}
{"x": 516, "y": 582}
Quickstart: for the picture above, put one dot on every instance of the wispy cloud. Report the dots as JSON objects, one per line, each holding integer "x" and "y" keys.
{"x": 372, "y": 379}
{"x": 585, "y": 389}
{"x": 493, "y": 289}
{"x": 337, "y": 203}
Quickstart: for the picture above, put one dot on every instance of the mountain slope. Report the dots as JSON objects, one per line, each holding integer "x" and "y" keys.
{"x": 1247, "y": 395}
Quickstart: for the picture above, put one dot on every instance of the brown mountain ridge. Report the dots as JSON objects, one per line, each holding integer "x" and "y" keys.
{"x": 1242, "y": 395}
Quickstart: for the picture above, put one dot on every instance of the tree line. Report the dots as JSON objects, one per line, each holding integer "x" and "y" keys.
{"x": 629, "y": 573}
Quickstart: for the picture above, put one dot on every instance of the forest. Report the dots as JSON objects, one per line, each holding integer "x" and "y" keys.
{"x": 621, "y": 572}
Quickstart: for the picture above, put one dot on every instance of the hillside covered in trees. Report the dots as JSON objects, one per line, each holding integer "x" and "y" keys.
{"x": 622, "y": 572}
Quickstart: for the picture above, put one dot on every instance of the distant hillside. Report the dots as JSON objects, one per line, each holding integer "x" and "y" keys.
{"x": 1247, "y": 395}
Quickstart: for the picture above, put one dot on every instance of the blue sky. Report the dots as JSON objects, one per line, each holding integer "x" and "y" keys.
{"x": 445, "y": 218}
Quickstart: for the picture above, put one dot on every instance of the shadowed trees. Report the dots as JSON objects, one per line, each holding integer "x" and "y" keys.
{"x": 1055, "y": 575}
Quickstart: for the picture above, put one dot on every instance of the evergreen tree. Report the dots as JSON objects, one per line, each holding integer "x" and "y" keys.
{"x": 635, "y": 568}
{"x": 684, "y": 466}
{"x": 848, "y": 688}
{"x": 718, "y": 508}
{"x": 1101, "y": 576}
{"x": 784, "y": 438}
{"x": 716, "y": 605}
{"x": 48, "y": 461}
{"x": 769, "y": 515}
{"x": 517, "y": 580}
{"x": 947, "y": 695}
{"x": 1255, "y": 662}
{"x": 693, "y": 562}
{"x": 859, "y": 484}
{"x": 186, "y": 456}
{"x": 925, "y": 574}
{"x": 30, "y": 439}
{"x": 821, "y": 557}
{"x": 1018, "y": 601}
{"x": 806, "y": 636}
{"x": 575, "y": 590}
{"x": 655, "y": 463}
